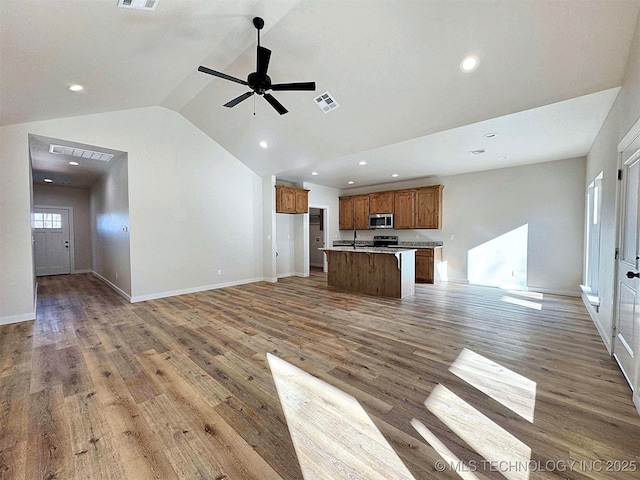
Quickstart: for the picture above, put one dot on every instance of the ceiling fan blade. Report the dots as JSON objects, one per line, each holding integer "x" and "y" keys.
{"x": 294, "y": 86}
{"x": 275, "y": 103}
{"x": 264, "y": 54}
{"x": 237, "y": 100}
{"x": 221, "y": 75}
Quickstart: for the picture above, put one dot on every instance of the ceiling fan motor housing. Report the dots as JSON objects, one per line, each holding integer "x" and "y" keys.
{"x": 259, "y": 82}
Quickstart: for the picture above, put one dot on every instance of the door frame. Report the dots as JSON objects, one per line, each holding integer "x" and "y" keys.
{"x": 632, "y": 135}
{"x": 72, "y": 259}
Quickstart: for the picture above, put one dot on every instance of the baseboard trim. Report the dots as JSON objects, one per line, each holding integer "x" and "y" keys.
{"x": 173, "y": 293}
{"x": 23, "y": 317}
{"x": 606, "y": 337}
{"x": 462, "y": 281}
{"x": 118, "y": 290}
{"x": 292, "y": 274}
{"x": 636, "y": 401}
{"x": 553, "y": 291}
{"x": 269, "y": 279}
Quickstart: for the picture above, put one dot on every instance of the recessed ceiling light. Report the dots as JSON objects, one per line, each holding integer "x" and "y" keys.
{"x": 503, "y": 157}
{"x": 75, "y": 164}
{"x": 314, "y": 173}
{"x": 362, "y": 162}
{"x": 350, "y": 182}
{"x": 394, "y": 175}
{"x": 48, "y": 180}
{"x": 76, "y": 88}
{"x": 469, "y": 63}
{"x": 490, "y": 135}
{"x": 263, "y": 144}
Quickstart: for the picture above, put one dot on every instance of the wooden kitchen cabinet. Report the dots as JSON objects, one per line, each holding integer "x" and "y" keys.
{"x": 346, "y": 213}
{"x": 429, "y": 207}
{"x": 404, "y": 209}
{"x": 381, "y": 202}
{"x": 354, "y": 212}
{"x": 427, "y": 260}
{"x": 413, "y": 208}
{"x": 361, "y": 212}
{"x": 291, "y": 199}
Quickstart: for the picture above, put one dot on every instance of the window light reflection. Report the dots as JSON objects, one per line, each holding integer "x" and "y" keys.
{"x": 505, "y": 386}
{"x": 333, "y": 436}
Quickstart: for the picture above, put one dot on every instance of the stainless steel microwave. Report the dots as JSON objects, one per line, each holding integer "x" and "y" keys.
{"x": 381, "y": 220}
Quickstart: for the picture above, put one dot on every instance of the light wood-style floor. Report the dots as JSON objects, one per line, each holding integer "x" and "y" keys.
{"x": 181, "y": 387}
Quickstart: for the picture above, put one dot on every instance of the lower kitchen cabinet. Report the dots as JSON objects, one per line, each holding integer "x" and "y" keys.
{"x": 427, "y": 260}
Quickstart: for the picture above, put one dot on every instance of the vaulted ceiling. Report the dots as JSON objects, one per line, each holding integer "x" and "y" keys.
{"x": 548, "y": 74}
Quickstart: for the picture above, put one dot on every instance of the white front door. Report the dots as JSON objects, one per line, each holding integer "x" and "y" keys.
{"x": 52, "y": 237}
{"x": 627, "y": 323}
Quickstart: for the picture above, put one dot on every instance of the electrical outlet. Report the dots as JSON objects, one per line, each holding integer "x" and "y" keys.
{"x": 451, "y": 237}
{"x": 219, "y": 272}
{"x": 116, "y": 275}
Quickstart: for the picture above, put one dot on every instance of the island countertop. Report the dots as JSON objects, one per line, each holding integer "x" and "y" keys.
{"x": 387, "y": 250}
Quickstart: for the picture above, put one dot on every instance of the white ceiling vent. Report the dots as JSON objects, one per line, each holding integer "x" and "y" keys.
{"x": 326, "y": 102}
{"x": 138, "y": 4}
{"x": 80, "y": 153}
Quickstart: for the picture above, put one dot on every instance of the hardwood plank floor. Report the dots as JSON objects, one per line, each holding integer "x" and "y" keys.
{"x": 180, "y": 388}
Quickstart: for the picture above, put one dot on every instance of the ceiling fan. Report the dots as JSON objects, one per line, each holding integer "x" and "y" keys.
{"x": 259, "y": 81}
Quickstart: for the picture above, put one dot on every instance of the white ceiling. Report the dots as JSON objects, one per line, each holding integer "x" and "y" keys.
{"x": 548, "y": 74}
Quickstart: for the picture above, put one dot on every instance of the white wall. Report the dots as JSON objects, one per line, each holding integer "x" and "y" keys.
{"x": 269, "y": 244}
{"x": 78, "y": 198}
{"x": 194, "y": 208}
{"x": 17, "y": 288}
{"x": 286, "y": 244}
{"x": 110, "y": 224}
{"x": 604, "y": 157}
{"x": 479, "y": 207}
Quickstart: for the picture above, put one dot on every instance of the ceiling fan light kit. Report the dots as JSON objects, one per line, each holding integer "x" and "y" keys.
{"x": 259, "y": 81}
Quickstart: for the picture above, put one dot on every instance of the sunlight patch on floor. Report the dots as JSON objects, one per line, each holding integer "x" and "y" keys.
{"x": 482, "y": 434}
{"x": 505, "y": 386}
{"x": 333, "y": 436}
{"x": 521, "y": 302}
{"x": 527, "y": 294}
{"x": 447, "y": 455}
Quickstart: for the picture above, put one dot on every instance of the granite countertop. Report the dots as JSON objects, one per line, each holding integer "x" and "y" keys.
{"x": 368, "y": 249}
{"x": 369, "y": 243}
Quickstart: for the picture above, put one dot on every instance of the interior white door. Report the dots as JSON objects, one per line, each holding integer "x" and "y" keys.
{"x": 627, "y": 323}
{"x": 52, "y": 237}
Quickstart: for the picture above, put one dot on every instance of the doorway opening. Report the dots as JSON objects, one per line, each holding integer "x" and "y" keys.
{"x": 317, "y": 239}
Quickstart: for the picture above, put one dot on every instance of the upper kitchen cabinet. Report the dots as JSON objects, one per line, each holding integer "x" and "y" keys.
{"x": 429, "y": 207}
{"x": 412, "y": 208}
{"x": 354, "y": 212}
{"x": 346, "y": 213}
{"x": 404, "y": 209}
{"x": 361, "y": 212}
{"x": 291, "y": 199}
{"x": 381, "y": 202}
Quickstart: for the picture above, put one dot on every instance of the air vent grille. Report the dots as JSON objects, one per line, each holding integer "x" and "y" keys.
{"x": 138, "y": 4}
{"x": 80, "y": 153}
{"x": 326, "y": 102}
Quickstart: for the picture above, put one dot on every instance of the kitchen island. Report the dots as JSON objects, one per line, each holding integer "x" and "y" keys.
{"x": 385, "y": 272}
